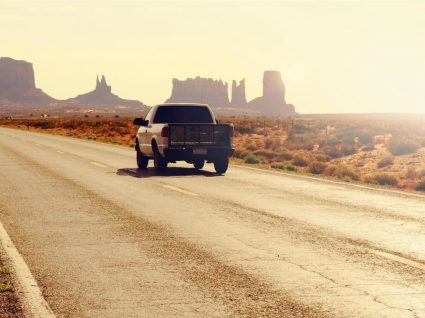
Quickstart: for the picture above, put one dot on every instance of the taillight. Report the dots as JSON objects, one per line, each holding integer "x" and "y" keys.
{"x": 231, "y": 131}
{"x": 164, "y": 132}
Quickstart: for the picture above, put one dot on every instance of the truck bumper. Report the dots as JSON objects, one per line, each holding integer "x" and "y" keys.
{"x": 190, "y": 154}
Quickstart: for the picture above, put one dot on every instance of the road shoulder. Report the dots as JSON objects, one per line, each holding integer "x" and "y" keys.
{"x": 10, "y": 304}
{"x": 20, "y": 295}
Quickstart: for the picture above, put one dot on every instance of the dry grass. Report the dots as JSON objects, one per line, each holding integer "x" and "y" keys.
{"x": 9, "y": 304}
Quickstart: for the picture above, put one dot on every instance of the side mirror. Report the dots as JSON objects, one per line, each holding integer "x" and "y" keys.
{"x": 216, "y": 121}
{"x": 140, "y": 122}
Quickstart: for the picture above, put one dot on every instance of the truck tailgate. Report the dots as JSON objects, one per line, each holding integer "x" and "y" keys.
{"x": 199, "y": 135}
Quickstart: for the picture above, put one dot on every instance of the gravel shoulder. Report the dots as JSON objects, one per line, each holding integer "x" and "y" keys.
{"x": 10, "y": 305}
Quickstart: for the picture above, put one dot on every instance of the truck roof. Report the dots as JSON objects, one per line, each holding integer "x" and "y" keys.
{"x": 184, "y": 104}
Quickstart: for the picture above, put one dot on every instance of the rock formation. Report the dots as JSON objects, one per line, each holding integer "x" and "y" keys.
{"x": 101, "y": 96}
{"x": 215, "y": 93}
{"x": 17, "y": 83}
{"x": 273, "y": 99}
{"x": 238, "y": 94}
{"x": 102, "y": 87}
{"x": 200, "y": 90}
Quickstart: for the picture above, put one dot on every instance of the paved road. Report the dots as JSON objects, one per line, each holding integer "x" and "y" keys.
{"x": 104, "y": 240}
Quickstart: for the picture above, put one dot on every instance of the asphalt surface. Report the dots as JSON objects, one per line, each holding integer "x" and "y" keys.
{"x": 105, "y": 240}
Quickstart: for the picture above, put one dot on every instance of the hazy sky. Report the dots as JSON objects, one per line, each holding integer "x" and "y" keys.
{"x": 334, "y": 56}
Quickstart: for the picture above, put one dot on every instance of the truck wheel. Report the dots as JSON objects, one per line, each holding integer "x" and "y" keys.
{"x": 198, "y": 164}
{"x": 159, "y": 162}
{"x": 221, "y": 165}
{"x": 142, "y": 161}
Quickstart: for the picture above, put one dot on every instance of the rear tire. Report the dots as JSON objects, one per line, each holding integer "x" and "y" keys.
{"x": 142, "y": 161}
{"x": 198, "y": 164}
{"x": 221, "y": 165}
{"x": 159, "y": 162}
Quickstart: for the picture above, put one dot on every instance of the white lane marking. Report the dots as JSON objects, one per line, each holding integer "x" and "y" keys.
{"x": 38, "y": 145}
{"x": 61, "y": 152}
{"x": 399, "y": 259}
{"x": 98, "y": 164}
{"x": 300, "y": 176}
{"x": 180, "y": 190}
{"x": 34, "y": 299}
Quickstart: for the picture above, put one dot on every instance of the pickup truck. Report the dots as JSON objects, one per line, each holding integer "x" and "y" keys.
{"x": 183, "y": 132}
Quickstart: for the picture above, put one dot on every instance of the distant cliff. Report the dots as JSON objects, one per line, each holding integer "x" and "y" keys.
{"x": 200, "y": 90}
{"x": 273, "y": 99}
{"x": 101, "y": 96}
{"x": 17, "y": 83}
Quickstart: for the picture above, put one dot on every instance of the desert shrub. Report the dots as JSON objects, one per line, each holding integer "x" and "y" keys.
{"x": 333, "y": 141}
{"x": 43, "y": 124}
{"x": 240, "y": 153}
{"x": 420, "y": 186}
{"x": 299, "y": 128}
{"x": 268, "y": 143}
{"x": 244, "y": 130}
{"x": 385, "y": 162}
{"x": 265, "y": 153}
{"x": 299, "y": 160}
{"x": 383, "y": 179}
{"x": 317, "y": 167}
{"x": 97, "y": 124}
{"x": 284, "y": 166}
{"x": 343, "y": 172}
{"x": 291, "y": 136}
{"x": 284, "y": 155}
{"x": 251, "y": 147}
{"x": 294, "y": 145}
{"x": 348, "y": 150}
{"x": 332, "y": 152}
{"x": 423, "y": 143}
{"x": 366, "y": 138}
{"x": 322, "y": 158}
{"x": 411, "y": 173}
{"x": 276, "y": 144}
{"x": 368, "y": 148}
{"x": 272, "y": 143}
{"x": 349, "y": 140}
{"x": 400, "y": 147}
{"x": 251, "y": 159}
{"x": 309, "y": 146}
{"x": 71, "y": 124}
{"x": 330, "y": 170}
{"x": 348, "y": 136}
{"x": 379, "y": 139}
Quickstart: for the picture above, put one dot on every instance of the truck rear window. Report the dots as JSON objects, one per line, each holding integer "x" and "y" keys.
{"x": 183, "y": 115}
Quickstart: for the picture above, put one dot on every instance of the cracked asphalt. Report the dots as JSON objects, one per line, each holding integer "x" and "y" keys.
{"x": 103, "y": 239}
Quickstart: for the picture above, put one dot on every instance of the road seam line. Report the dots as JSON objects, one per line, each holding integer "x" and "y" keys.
{"x": 399, "y": 259}
{"x": 300, "y": 176}
{"x": 180, "y": 190}
{"x": 33, "y": 296}
{"x": 98, "y": 164}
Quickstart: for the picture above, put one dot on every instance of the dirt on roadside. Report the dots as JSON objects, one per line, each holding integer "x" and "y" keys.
{"x": 10, "y": 306}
